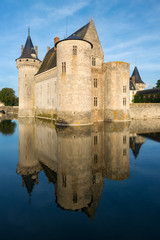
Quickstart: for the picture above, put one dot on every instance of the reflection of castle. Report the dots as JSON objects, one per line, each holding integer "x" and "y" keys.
{"x": 75, "y": 159}
{"x": 136, "y": 142}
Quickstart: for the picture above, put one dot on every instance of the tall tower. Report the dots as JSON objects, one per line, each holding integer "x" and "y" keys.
{"x": 28, "y": 65}
{"x": 74, "y": 81}
{"x": 116, "y": 97}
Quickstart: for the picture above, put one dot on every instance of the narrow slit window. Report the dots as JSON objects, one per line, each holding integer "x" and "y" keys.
{"x": 93, "y": 61}
{"x": 95, "y": 158}
{"x": 124, "y": 101}
{"x": 63, "y": 67}
{"x": 64, "y": 180}
{"x": 75, "y": 198}
{"x": 95, "y": 82}
{"x": 124, "y": 152}
{"x": 124, "y": 89}
{"x": 95, "y": 101}
{"x": 95, "y": 140}
{"x": 93, "y": 179}
{"x": 74, "y": 50}
{"x": 124, "y": 139}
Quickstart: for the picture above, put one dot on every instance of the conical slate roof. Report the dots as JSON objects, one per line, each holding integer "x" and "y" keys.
{"x": 29, "y": 183}
{"x": 131, "y": 85}
{"x": 137, "y": 76}
{"x": 29, "y": 49}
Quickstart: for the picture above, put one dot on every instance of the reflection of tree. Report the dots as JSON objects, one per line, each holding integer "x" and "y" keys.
{"x": 7, "y": 127}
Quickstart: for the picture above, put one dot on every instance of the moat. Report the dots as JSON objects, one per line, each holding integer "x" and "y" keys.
{"x": 93, "y": 182}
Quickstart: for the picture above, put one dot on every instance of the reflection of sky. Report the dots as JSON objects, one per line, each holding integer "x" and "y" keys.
{"x": 128, "y": 208}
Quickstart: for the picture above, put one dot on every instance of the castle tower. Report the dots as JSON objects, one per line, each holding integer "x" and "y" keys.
{"x": 28, "y": 65}
{"x": 116, "y": 146}
{"x": 74, "y": 167}
{"x": 28, "y": 166}
{"x": 116, "y": 92}
{"x": 137, "y": 81}
{"x": 74, "y": 81}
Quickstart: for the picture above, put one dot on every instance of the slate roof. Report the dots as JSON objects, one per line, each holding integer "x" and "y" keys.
{"x": 28, "y": 49}
{"x": 81, "y": 32}
{"x": 49, "y": 61}
{"x": 131, "y": 85}
{"x": 74, "y": 37}
{"x": 148, "y": 91}
{"x": 137, "y": 76}
{"x": 29, "y": 183}
{"x": 135, "y": 147}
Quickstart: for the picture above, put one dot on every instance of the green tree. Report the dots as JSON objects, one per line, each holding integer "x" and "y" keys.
{"x": 8, "y": 97}
{"x": 7, "y": 127}
{"x": 158, "y": 84}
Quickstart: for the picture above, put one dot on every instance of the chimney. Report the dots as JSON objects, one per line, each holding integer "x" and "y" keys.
{"x": 48, "y": 48}
{"x": 133, "y": 79}
{"x": 21, "y": 49}
{"x": 56, "y": 39}
{"x": 36, "y": 50}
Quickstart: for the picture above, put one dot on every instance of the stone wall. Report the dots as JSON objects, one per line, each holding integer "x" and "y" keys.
{"x": 144, "y": 110}
{"x": 46, "y": 93}
{"x": 10, "y": 109}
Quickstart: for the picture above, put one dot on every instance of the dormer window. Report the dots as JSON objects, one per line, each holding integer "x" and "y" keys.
{"x": 93, "y": 61}
{"x": 74, "y": 50}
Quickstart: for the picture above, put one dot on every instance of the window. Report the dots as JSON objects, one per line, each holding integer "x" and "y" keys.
{"x": 75, "y": 198}
{"x": 124, "y": 101}
{"x": 124, "y": 139}
{"x": 64, "y": 180}
{"x": 95, "y": 101}
{"x": 95, "y": 140}
{"x": 93, "y": 61}
{"x": 93, "y": 179}
{"x": 95, "y": 158}
{"x": 63, "y": 67}
{"x": 124, "y": 89}
{"x": 95, "y": 82}
{"x": 74, "y": 50}
{"x": 124, "y": 152}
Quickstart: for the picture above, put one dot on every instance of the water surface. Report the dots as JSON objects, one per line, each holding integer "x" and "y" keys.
{"x": 96, "y": 182}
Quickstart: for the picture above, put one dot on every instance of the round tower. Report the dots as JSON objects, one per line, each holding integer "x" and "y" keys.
{"x": 74, "y": 81}
{"x": 28, "y": 65}
{"x": 116, "y": 92}
{"x": 116, "y": 151}
{"x": 74, "y": 167}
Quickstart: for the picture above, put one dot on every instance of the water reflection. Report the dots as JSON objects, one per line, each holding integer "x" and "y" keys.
{"x": 77, "y": 159}
{"x": 7, "y": 127}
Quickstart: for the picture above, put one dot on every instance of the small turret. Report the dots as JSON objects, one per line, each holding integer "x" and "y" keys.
{"x": 28, "y": 64}
{"x": 136, "y": 79}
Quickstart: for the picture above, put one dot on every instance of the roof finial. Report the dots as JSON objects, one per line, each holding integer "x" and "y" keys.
{"x": 28, "y": 31}
{"x": 91, "y": 18}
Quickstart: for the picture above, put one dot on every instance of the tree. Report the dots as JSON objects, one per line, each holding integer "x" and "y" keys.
{"x": 158, "y": 84}
{"x": 7, "y": 127}
{"x": 8, "y": 97}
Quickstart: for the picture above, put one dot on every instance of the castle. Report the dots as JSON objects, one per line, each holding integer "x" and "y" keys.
{"x": 73, "y": 84}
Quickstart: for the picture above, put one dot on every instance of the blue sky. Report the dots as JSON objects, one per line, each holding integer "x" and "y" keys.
{"x": 129, "y": 30}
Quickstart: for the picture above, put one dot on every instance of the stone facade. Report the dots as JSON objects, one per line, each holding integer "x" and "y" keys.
{"x": 74, "y": 86}
{"x": 145, "y": 110}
